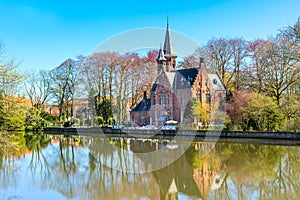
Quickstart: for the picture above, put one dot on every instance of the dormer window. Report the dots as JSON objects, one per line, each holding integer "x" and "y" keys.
{"x": 190, "y": 79}
{"x": 182, "y": 81}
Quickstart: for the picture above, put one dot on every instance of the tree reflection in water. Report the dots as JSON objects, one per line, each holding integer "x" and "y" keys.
{"x": 230, "y": 171}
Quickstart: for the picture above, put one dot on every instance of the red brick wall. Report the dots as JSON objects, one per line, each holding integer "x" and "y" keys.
{"x": 161, "y": 106}
{"x": 136, "y": 118}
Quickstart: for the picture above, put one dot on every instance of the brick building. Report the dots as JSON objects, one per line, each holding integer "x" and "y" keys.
{"x": 141, "y": 113}
{"x": 174, "y": 87}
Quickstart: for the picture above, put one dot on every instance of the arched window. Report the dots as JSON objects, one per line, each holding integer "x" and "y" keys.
{"x": 161, "y": 99}
{"x": 167, "y": 99}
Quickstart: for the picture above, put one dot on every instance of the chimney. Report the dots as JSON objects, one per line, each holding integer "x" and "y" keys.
{"x": 145, "y": 91}
{"x": 201, "y": 62}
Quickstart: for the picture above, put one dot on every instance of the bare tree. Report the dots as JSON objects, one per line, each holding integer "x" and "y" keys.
{"x": 119, "y": 79}
{"x": 122, "y": 85}
{"x": 63, "y": 87}
{"x": 38, "y": 88}
{"x": 240, "y": 52}
{"x": 220, "y": 54}
{"x": 189, "y": 62}
{"x": 278, "y": 66}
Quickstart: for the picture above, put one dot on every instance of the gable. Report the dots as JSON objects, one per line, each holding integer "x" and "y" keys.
{"x": 170, "y": 77}
{"x": 166, "y": 79}
{"x": 216, "y": 82}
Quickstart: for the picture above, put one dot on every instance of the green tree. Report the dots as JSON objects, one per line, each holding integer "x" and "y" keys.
{"x": 12, "y": 111}
{"x": 291, "y": 109}
{"x": 188, "y": 113}
{"x": 194, "y": 110}
{"x": 99, "y": 120}
{"x": 104, "y": 108}
{"x": 201, "y": 113}
{"x": 250, "y": 110}
{"x": 263, "y": 113}
{"x": 36, "y": 118}
{"x": 14, "y": 118}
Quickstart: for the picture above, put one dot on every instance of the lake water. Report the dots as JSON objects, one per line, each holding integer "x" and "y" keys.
{"x": 85, "y": 167}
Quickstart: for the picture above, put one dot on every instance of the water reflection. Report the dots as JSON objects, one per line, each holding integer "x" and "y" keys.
{"x": 61, "y": 167}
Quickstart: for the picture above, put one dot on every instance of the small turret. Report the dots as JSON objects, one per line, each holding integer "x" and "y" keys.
{"x": 161, "y": 55}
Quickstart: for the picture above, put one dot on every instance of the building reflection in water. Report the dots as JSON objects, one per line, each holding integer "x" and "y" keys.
{"x": 64, "y": 165}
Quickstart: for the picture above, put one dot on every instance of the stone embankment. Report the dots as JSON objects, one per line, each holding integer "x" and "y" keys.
{"x": 185, "y": 133}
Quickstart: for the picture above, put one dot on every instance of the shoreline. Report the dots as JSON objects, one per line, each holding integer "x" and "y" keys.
{"x": 184, "y": 133}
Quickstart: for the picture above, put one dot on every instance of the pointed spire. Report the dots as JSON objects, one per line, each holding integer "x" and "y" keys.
{"x": 161, "y": 55}
{"x": 168, "y": 45}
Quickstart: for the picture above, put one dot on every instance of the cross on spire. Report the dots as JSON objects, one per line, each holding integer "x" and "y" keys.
{"x": 167, "y": 20}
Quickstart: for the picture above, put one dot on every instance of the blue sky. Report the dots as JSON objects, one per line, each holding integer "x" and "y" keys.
{"x": 41, "y": 34}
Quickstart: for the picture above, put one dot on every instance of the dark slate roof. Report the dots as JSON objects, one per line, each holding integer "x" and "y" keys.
{"x": 185, "y": 78}
{"x": 179, "y": 79}
{"x": 153, "y": 87}
{"x": 168, "y": 45}
{"x": 143, "y": 106}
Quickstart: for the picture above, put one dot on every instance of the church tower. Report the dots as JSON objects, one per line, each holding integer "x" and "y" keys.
{"x": 166, "y": 59}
